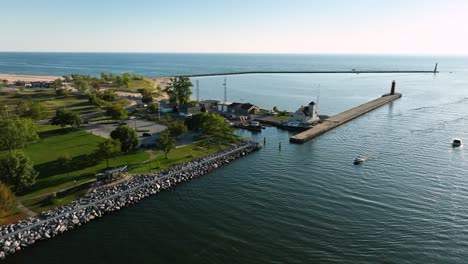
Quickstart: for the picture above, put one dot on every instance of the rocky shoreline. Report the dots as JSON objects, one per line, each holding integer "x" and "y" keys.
{"x": 106, "y": 200}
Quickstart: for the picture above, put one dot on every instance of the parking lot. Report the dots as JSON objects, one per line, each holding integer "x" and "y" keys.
{"x": 143, "y": 126}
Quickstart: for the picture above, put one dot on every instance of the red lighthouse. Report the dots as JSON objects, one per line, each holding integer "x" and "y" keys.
{"x": 392, "y": 91}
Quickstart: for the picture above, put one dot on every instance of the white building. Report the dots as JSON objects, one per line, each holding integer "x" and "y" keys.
{"x": 305, "y": 115}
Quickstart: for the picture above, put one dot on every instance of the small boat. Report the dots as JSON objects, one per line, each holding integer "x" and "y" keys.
{"x": 456, "y": 142}
{"x": 359, "y": 160}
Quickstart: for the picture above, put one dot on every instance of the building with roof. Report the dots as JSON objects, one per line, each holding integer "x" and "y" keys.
{"x": 242, "y": 109}
{"x": 306, "y": 115}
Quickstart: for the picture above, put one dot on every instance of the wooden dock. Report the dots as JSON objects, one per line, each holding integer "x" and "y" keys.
{"x": 341, "y": 118}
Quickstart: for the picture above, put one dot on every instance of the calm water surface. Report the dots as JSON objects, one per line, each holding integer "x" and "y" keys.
{"x": 308, "y": 203}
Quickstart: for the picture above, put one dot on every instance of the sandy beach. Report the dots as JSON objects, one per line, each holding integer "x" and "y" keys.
{"x": 159, "y": 81}
{"x": 27, "y": 78}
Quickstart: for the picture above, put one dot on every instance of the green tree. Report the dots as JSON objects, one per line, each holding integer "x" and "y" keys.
{"x": 108, "y": 95}
{"x": 176, "y": 128}
{"x": 17, "y": 133}
{"x": 104, "y": 76}
{"x": 146, "y": 95}
{"x": 61, "y": 92}
{"x": 275, "y": 109}
{"x": 116, "y": 111}
{"x": 210, "y": 124}
{"x": 7, "y": 199}
{"x": 128, "y": 138}
{"x": 17, "y": 169}
{"x": 57, "y": 84}
{"x": 109, "y": 148}
{"x": 166, "y": 143}
{"x": 65, "y": 118}
{"x": 31, "y": 109}
{"x": 81, "y": 85}
{"x": 36, "y": 111}
{"x": 179, "y": 90}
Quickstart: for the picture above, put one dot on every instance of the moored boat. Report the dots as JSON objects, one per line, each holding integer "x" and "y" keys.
{"x": 456, "y": 142}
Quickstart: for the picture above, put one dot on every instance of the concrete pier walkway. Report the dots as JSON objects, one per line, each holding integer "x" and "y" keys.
{"x": 297, "y": 72}
{"x": 341, "y": 118}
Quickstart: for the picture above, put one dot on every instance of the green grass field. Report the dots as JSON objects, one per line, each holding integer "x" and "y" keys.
{"x": 76, "y": 177}
{"x": 75, "y": 103}
{"x": 138, "y": 84}
{"x": 80, "y": 145}
{"x": 183, "y": 154}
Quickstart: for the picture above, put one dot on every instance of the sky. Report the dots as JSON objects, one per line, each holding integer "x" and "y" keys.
{"x": 236, "y": 26}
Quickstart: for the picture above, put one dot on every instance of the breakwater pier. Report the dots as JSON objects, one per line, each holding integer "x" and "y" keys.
{"x": 344, "y": 117}
{"x": 304, "y": 72}
{"x": 106, "y": 200}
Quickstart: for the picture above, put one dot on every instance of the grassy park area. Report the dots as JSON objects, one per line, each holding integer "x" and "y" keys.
{"x": 72, "y": 180}
{"x": 75, "y": 103}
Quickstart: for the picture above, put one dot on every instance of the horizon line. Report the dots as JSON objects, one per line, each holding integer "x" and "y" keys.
{"x": 243, "y": 53}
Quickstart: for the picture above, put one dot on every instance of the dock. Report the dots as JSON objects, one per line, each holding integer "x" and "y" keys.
{"x": 342, "y": 118}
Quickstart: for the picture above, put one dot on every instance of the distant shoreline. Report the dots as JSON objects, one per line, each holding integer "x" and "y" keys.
{"x": 161, "y": 81}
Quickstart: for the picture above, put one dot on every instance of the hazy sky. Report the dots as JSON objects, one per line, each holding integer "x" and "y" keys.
{"x": 254, "y": 26}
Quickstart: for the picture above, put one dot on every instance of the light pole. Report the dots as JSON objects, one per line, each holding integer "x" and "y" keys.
{"x": 6, "y": 111}
{"x": 159, "y": 112}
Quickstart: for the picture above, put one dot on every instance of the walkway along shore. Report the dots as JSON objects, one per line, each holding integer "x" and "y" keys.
{"x": 106, "y": 200}
{"x": 298, "y": 72}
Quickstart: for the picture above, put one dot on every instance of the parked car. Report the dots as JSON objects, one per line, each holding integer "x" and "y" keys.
{"x": 146, "y": 134}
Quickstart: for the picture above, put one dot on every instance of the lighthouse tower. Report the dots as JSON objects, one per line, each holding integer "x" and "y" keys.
{"x": 313, "y": 115}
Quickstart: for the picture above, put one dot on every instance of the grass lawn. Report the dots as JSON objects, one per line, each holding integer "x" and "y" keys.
{"x": 80, "y": 145}
{"x": 184, "y": 154}
{"x": 78, "y": 175}
{"x": 75, "y": 103}
{"x": 281, "y": 117}
{"x": 43, "y": 203}
{"x": 138, "y": 84}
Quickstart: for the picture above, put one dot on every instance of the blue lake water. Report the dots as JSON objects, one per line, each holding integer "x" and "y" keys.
{"x": 306, "y": 203}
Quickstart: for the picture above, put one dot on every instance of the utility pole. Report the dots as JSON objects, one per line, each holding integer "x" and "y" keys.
{"x": 159, "y": 111}
{"x": 198, "y": 90}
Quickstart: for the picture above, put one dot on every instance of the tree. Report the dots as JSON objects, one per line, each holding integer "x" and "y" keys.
{"x": 81, "y": 85}
{"x": 275, "y": 109}
{"x": 57, "y": 84}
{"x": 146, "y": 95}
{"x": 31, "y": 109}
{"x": 17, "y": 169}
{"x": 17, "y": 133}
{"x": 179, "y": 90}
{"x": 176, "y": 128}
{"x": 7, "y": 199}
{"x": 165, "y": 142}
{"x": 210, "y": 124}
{"x": 128, "y": 138}
{"x": 116, "y": 111}
{"x": 65, "y": 118}
{"x": 109, "y": 148}
{"x": 36, "y": 111}
{"x": 108, "y": 95}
